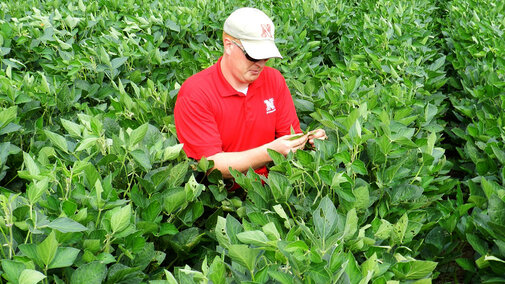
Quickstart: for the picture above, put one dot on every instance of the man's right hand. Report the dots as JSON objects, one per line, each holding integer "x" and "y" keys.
{"x": 286, "y": 143}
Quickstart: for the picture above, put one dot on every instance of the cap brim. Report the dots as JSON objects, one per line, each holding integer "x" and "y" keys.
{"x": 261, "y": 49}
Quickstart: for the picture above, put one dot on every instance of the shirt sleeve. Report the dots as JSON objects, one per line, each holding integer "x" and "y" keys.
{"x": 287, "y": 117}
{"x": 195, "y": 125}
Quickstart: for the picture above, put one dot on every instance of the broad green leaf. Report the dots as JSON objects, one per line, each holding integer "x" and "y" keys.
{"x": 30, "y": 276}
{"x": 47, "y": 249}
{"x": 257, "y": 238}
{"x": 120, "y": 219}
{"x": 351, "y": 224}
{"x": 271, "y": 231}
{"x": 104, "y": 56}
{"x": 399, "y": 229}
{"x": 325, "y": 218}
{"x": 89, "y": 273}
{"x": 499, "y": 153}
{"x": 466, "y": 264}
{"x": 36, "y": 190}
{"x": 66, "y": 225}
{"x": 362, "y": 198}
{"x": 58, "y": 140}
{"x": 352, "y": 269}
{"x": 33, "y": 169}
{"x": 65, "y": 257}
{"x": 118, "y": 62}
{"x": 413, "y": 270}
{"x": 7, "y": 116}
{"x": 12, "y": 269}
{"x": 87, "y": 143}
{"x": 72, "y": 128}
{"x": 220, "y": 231}
{"x": 244, "y": 255}
{"x": 30, "y": 250}
{"x": 359, "y": 167}
{"x": 137, "y": 135}
{"x": 170, "y": 277}
{"x": 172, "y": 152}
{"x": 319, "y": 274}
{"x": 217, "y": 271}
{"x": 44, "y": 86}
{"x": 496, "y": 209}
{"x": 176, "y": 199}
{"x": 233, "y": 228}
{"x": 178, "y": 174}
{"x": 384, "y": 230}
{"x": 281, "y": 277}
{"x": 280, "y": 187}
{"x": 370, "y": 265}
{"x": 142, "y": 158}
{"x": 429, "y": 113}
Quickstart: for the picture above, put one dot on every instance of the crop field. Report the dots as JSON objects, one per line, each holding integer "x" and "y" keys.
{"x": 409, "y": 187}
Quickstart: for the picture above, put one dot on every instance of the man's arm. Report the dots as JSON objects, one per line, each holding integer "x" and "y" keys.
{"x": 257, "y": 157}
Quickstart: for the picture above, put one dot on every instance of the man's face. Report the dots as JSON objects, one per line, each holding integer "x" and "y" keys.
{"x": 244, "y": 69}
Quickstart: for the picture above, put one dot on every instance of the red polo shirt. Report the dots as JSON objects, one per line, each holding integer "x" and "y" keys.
{"x": 212, "y": 117}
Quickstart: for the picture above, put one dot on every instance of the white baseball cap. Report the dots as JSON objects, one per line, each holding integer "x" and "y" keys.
{"x": 255, "y": 30}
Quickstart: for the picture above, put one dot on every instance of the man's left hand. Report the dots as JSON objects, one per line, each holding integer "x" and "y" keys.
{"x": 317, "y": 134}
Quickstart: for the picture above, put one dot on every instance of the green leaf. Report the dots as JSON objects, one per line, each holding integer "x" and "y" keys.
{"x": 351, "y": 224}
{"x": 33, "y": 169}
{"x": 370, "y": 264}
{"x": 244, "y": 255}
{"x": 257, "y": 238}
{"x": 72, "y": 128}
{"x": 89, "y": 273}
{"x": 496, "y": 209}
{"x": 271, "y": 231}
{"x": 175, "y": 200}
{"x": 399, "y": 229}
{"x": 86, "y": 143}
{"x": 118, "y": 62}
{"x": 66, "y": 225}
{"x": 325, "y": 218}
{"x": 477, "y": 243}
{"x": 120, "y": 219}
{"x": 30, "y": 276}
{"x": 12, "y": 269}
{"x": 217, "y": 271}
{"x": 30, "y": 250}
{"x": 499, "y": 153}
{"x": 36, "y": 190}
{"x": 362, "y": 198}
{"x": 142, "y": 158}
{"x": 233, "y": 228}
{"x": 466, "y": 264}
{"x": 7, "y": 116}
{"x": 65, "y": 257}
{"x": 47, "y": 249}
{"x": 413, "y": 270}
{"x": 138, "y": 134}
{"x": 384, "y": 231}
{"x": 58, "y": 140}
{"x": 172, "y": 152}
{"x": 359, "y": 167}
{"x": 280, "y": 187}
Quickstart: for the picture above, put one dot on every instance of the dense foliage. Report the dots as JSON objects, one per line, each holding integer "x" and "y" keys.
{"x": 409, "y": 188}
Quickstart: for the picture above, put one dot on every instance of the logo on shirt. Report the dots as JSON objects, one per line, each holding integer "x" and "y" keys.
{"x": 270, "y": 105}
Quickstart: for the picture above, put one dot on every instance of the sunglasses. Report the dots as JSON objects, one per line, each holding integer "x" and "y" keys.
{"x": 245, "y": 52}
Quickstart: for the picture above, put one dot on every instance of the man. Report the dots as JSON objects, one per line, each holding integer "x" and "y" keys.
{"x": 235, "y": 110}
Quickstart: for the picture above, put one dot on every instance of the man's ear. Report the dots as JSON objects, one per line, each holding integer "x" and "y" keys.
{"x": 227, "y": 43}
